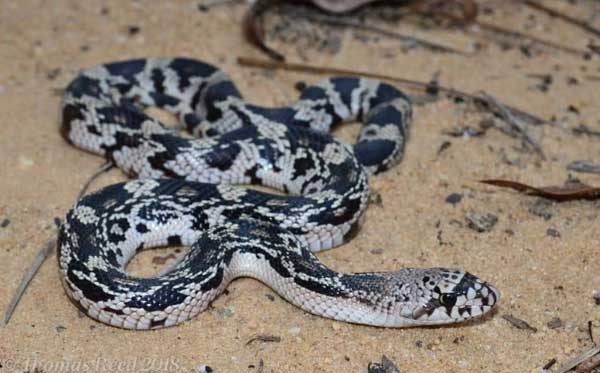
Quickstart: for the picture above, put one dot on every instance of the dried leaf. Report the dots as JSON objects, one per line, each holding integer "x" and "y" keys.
{"x": 518, "y": 323}
{"x": 571, "y": 191}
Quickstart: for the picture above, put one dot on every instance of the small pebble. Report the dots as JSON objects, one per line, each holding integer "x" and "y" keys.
{"x": 584, "y": 167}
{"x": 300, "y": 86}
{"x": 542, "y": 208}
{"x": 5, "y": 223}
{"x": 386, "y": 366}
{"x": 596, "y": 296}
{"x": 458, "y": 340}
{"x": 555, "y": 323}
{"x": 375, "y": 198}
{"x": 553, "y": 233}
{"x": 454, "y": 198}
{"x": 52, "y": 74}
{"x": 481, "y": 222}
{"x": 294, "y": 330}
{"x": 270, "y": 297}
{"x": 226, "y": 311}
{"x": 133, "y": 30}
{"x": 376, "y": 251}
{"x": 25, "y": 162}
{"x": 60, "y": 328}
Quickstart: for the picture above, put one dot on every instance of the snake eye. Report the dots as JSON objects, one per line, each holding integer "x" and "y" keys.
{"x": 448, "y": 299}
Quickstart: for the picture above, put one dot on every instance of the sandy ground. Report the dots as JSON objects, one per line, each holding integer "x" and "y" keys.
{"x": 543, "y": 275}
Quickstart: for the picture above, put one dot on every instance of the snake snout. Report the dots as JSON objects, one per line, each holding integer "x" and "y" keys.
{"x": 460, "y": 300}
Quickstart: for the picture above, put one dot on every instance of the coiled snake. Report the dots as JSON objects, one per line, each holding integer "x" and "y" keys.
{"x": 184, "y": 195}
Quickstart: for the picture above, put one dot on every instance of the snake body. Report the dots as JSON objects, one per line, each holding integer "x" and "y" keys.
{"x": 186, "y": 195}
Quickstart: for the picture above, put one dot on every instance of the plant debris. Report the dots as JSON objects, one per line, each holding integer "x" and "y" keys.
{"x": 507, "y": 115}
{"x": 385, "y": 366}
{"x": 568, "y": 192}
{"x": 264, "y": 338}
{"x": 39, "y": 259}
{"x": 582, "y": 129}
{"x": 549, "y": 364}
{"x": 481, "y": 222}
{"x": 519, "y": 323}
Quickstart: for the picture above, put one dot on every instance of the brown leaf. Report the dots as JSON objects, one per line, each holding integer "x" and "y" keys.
{"x": 567, "y": 192}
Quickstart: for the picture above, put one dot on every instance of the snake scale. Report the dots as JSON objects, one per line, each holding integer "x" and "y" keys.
{"x": 185, "y": 193}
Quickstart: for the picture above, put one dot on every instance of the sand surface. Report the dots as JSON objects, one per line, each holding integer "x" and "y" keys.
{"x": 543, "y": 274}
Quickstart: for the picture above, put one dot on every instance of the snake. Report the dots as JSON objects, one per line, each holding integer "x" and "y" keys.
{"x": 194, "y": 185}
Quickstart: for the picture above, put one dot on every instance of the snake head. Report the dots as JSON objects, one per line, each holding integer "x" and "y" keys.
{"x": 443, "y": 296}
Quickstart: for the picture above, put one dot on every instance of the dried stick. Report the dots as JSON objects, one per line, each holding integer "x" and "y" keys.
{"x": 555, "y": 13}
{"x": 585, "y": 356}
{"x": 45, "y": 251}
{"x": 513, "y": 120}
{"x": 104, "y": 168}
{"x": 408, "y": 83}
{"x": 41, "y": 256}
{"x": 254, "y": 30}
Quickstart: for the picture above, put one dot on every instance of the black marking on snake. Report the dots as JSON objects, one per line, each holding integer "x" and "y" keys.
{"x": 232, "y": 230}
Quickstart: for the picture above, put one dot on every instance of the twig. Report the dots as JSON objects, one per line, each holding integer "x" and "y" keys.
{"x": 582, "y": 129}
{"x": 104, "y": 168}
{"x": 264, "y": 338}
{"x": 254, "y": 30}
{"x": 46, "y": 250}
{"x": 513, "y": 120}
{"x": 589, "y": 365}
{"x": 555, "y": 13}
{"x": 350, "y": 22}
{"x": 578, "y": 360}
{"x": 408, "y": 83}
{"x": 591, "y": 331}
{"x": 518, "y": 323}
{"x": 28, "y": 276}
